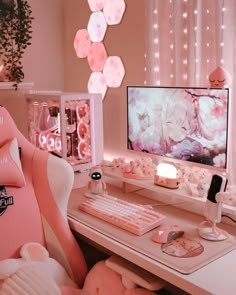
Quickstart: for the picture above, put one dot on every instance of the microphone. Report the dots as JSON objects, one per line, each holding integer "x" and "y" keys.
{"x": 208, "y": 229}
{"x": 214, "y": 202}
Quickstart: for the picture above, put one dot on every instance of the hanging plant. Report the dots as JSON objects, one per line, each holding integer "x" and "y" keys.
{"x": 15, "y": 35}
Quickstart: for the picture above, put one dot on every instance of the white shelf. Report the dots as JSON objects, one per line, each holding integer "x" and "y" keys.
{"x": 9, "y": 85}
{"x": 178, "y": 193}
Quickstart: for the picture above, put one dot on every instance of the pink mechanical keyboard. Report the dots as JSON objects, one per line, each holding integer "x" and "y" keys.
{"x": 132, "y": 217}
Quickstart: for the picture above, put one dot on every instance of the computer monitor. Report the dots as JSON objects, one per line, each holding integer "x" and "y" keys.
{"x": 179, "y": 123}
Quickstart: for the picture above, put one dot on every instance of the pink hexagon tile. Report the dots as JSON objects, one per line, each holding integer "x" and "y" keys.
{"x": 82, "y": 43}
{"x": 113, "y": 11}
{"x": 97, "y": 83}
{"x": 96, "y": 5}
{"x": 113, "y": 71}
{"x": 106, "y": 71}
{"x": 97, "y": 26}
{"x": 97, "y": 56}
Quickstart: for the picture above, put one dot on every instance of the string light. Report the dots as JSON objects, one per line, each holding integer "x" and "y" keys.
{"x": 145, "y": 68}
{"x": 171, "y": 31}
{"x": 223, "y": 9}
{"x": 185, "y": 40}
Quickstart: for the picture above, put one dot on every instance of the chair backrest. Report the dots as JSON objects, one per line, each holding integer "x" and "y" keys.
{"x": 33, "y": 200}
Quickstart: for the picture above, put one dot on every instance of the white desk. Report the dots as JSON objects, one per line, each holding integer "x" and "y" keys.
{"x": 217, "y": 278}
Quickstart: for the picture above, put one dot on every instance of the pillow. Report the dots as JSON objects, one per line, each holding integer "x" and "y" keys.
{"x": 11, "y": 173}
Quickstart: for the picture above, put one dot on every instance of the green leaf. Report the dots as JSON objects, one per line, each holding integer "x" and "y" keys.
{"x": 15, "y": 33}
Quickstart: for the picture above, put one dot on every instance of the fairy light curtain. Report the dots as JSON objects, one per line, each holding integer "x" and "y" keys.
{"x": 186, "y": 40}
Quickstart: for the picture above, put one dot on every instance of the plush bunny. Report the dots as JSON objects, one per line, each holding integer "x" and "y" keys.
{"x": 36, "y": 273}
{"x": 34, "y": 270}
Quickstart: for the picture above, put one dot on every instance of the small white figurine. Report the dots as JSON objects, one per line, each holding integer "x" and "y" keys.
{"x": 96, "y": 185}
{"x": 202, "y": 188}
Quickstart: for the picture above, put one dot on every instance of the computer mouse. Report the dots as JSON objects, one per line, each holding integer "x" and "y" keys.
{"x": 166, "y": 233}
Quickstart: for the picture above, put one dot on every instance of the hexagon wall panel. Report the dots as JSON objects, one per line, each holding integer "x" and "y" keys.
{"x": 82, "y": 43}
{"x": 96, "y": 5}
{"x": 107, "y": 71}
{"x": 97, "y": 26}
{"x": 97, "y": 56}
{"x": 113, "y": 11}
{"x": 113, "y": 71}
{"x": 97, "y": 83}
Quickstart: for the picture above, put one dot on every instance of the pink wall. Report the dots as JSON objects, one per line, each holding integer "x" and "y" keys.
{"x": 44, "y": 59}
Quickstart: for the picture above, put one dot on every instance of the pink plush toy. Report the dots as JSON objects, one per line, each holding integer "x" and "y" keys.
{"x": 102, "y": 280}
{"x": 219, "y": 78}
{"x": 36, "y": 271}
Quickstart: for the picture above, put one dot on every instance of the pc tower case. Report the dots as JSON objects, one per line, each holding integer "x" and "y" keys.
{"x": 69, "y": 125}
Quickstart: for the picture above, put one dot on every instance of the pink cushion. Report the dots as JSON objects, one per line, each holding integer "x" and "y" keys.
{"x": 10, "y": 165}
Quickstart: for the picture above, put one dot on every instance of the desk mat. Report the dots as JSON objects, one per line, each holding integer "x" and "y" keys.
{"x": 186, "y": 264}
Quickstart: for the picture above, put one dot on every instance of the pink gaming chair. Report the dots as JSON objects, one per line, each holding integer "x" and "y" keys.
{"x": 37, "y": 197}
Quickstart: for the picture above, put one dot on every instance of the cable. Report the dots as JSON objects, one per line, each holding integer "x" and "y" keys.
{"x": 227, "y": 216}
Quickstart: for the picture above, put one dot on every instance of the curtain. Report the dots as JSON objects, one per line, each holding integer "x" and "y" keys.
{"x": 186, "y": 40}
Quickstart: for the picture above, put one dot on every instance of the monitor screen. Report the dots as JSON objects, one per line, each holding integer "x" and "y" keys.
{"x": 179, "y": 122}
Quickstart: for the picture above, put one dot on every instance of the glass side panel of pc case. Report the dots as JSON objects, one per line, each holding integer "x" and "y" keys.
{"x": 67, "y": 125}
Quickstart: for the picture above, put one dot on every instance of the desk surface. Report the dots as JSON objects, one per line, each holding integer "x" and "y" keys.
{"x": 215, "y": 278}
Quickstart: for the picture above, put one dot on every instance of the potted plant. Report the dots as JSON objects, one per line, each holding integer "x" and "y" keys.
{"x": 15, "y": 35}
